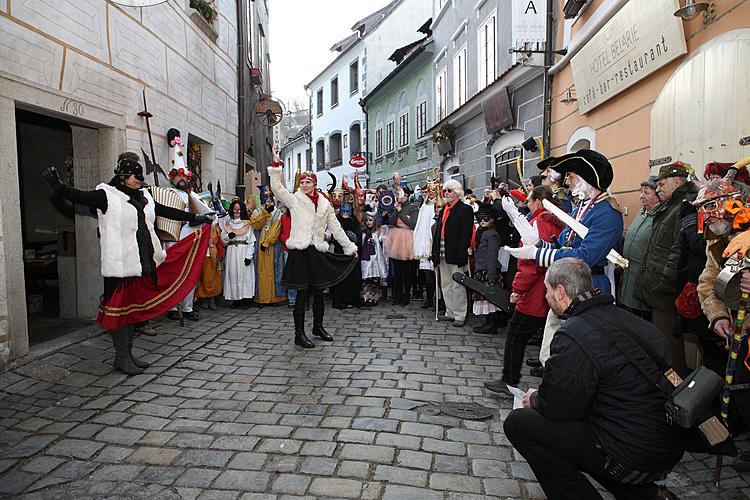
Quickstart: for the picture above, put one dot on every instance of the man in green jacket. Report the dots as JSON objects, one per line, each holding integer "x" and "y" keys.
{"x": 656, "y": 285}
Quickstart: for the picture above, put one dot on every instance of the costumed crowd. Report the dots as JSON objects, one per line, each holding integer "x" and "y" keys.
{"x": 621, "y": 316}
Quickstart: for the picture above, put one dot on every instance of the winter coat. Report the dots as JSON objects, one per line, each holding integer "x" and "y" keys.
{"x": 485, "y": 255}
{"x": 408, "y": 215}
{"x": 656, "y": 283}
{"x": 713, "y": 307}
{"x": 636, "y": 242}
{"x": 529, "y": 280}
{"x": 309, "y": 223}
{"x": 588, "y": 379}
{"x": 458, "y": 231}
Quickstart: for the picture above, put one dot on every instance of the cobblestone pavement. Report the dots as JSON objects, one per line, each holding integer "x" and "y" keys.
{"x": 230, "y": 408}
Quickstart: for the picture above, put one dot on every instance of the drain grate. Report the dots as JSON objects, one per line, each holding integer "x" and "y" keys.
{"x": 469, "y": 411}
{"x": 428, "y": 410}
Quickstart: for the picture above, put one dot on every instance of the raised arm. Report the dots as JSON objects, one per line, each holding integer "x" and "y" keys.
{"x": 274, "y": 173}
{"x": 95, "y": 199}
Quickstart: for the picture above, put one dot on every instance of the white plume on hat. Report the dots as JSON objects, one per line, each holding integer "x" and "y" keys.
{"x": 455, "y": 186}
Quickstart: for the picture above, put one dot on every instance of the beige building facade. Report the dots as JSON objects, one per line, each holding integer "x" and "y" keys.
{"x": 72, "y": 80}
{"x": 645, "y": 87}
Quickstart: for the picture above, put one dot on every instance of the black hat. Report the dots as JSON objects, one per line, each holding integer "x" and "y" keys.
{"x": 127, "y": 167}
{"x": 592, "y": 166}
{"x": 485, "y": 210}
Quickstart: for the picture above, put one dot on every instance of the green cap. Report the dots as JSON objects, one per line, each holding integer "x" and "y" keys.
{"x": 676, "y": 169}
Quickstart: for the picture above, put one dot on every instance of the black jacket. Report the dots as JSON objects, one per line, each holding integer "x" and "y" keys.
{"x": 458, "y": 230}
{"x": 587, "y": 378}
{"x": 408, "y": 215}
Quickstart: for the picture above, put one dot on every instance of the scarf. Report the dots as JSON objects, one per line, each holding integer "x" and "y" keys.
{"x": 314, "y": 198}
{"x": 446, "y": 212}
{"x": 368, "y": 245}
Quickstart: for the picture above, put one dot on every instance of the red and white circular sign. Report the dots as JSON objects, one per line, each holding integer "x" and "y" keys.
{"x": 357, "y": 161}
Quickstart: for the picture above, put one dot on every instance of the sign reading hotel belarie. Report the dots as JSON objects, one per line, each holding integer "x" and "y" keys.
{"x": 641, "y": 38}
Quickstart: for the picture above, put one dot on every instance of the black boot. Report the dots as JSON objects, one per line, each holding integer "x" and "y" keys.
{"x": 318, "y": 313}
{"x": 299, "y": 331}
{"x": 489, "y": 325}
{"x": 122, "y": 361}
{"x": 137, "y": 362}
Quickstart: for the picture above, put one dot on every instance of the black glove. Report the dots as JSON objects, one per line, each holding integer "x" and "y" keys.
{"x": 231, "y": 236}
{"x": 269, "y": 208}
{"x": 263, "y": 247}
{"x": 52, "y": 176}
{"x": 204, "y": 218}
{"x": 248, "y": 261}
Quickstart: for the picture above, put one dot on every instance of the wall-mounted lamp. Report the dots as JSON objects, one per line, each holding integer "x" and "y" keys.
{"x": 569, "y": 96}
{"x": 691, "y": 9}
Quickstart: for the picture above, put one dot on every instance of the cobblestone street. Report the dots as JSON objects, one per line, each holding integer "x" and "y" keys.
{"x": 230, "y": 408}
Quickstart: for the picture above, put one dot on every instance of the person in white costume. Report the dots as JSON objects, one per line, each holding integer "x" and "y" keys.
{"x": 239, "y": 240}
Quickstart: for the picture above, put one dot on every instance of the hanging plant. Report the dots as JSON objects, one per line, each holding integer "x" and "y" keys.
{"x": 207, "y": 9}
{"x": 444, "y": 133}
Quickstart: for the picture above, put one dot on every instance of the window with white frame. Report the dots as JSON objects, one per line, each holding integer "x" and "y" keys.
{"x": 320, "y": 102}
{"x": 441, "y": 98}
{"x": 487, "y": 62}
{"x": 389, "y": 143}
{"x": 421, "y": 119}
{"x": 354, "y": 77}
{"x": 334, "y": 92}
{"x": 403, "y": 130}
{"x": 459, "y": 79}
{"x": 379, "y": 143}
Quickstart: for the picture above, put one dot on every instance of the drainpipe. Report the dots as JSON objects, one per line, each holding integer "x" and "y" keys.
{"x": 241, "y": 55}
{"x": 488, "y": 155}
{"x": 367, "y": 136}
{"x": 548, "y": 60}
{"x": 310, "y": 134}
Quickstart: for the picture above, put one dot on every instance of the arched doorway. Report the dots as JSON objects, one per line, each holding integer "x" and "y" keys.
{"x": 701, "y": 113}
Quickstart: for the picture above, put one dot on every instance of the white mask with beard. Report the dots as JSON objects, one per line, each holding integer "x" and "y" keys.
{"x": 583, "y": 190}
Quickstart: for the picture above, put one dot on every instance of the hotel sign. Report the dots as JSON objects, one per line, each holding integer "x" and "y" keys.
{"x": 641, "y": 38}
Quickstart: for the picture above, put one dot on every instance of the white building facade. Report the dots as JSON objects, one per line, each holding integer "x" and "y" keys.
{"x": 338, "y": 121}
{"x": 72, "y": 78}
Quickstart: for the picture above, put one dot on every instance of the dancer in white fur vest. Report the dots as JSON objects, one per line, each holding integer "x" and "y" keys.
{"x": 131, "y": 254}
{"x": 309, "y": 265}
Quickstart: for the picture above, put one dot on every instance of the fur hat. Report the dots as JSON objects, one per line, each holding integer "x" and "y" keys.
{"x": 455, "y": 186}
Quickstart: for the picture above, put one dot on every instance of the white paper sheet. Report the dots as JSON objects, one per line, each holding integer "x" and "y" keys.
{"x": 518, "y": 395}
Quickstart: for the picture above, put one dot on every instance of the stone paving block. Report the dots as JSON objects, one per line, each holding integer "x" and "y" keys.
{"x": 452, "y": 464}
{"x": 204, "y": 458}
{"x": 466, "y": 436}
{"x": 415, "y": 459}
{"x": 14, "y": 482}
{"x": 85, "y": 431}
{"x": 153, "y": 456}
{"x": 396, "y": 492}
{"x": 375, "y": 424}
{"x": 198, "y": 478}
{"x": 42, "y": 464}
{"x": 248, "y": 461}
{"x": 504, "y": 453}
{"x": 422, "y": 430}
{"x": 75, "y": 448}
{"x": 333, "y": 487}
{"x": 285, "y": 446}
{"x": 445, "y": 447}
{"x": 353, "y": 436}
{"x": 318, "y": 448}
{"x": 489, "y": 468}
{"x": 113, "y": 454}
{"x": 293, "y": 484}
{"x": 116, "y": 435}
{"x": 156, "y": 438}
{"x": 116, "y": 472}
{"x": 522, "y": 470}
{"x": 319, "y": 466}
{"x": 502, "y": 487}
{"x": 370, "y": 453}
{"x": 75, "y": 469}
{"x": 358, "y": 470}
{"x": 281, "y": 463}
{"x": 242, "y": 480}
{"x": 147, "y": 423}
{"x": 191, "y": 440}
{"x": 35, "y": 444}
{"x": 455, "y": 482}
{"x": 237, "y": 443}
{"x": 400, "y": 475}
{"x": 398, "y": 441}
{"x": 160, "y": 475}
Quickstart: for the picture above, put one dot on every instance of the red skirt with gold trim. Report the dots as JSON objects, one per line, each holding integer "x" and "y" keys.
{"x": 139, "y": 299}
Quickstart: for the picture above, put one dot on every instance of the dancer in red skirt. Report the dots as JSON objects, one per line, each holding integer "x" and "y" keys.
{"x": 131, "y": 253}
{"x": 309, "y": 265}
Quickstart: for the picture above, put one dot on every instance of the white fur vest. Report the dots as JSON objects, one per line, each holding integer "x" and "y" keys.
{"x": 308, "y": 224}
{"x": 117, "y": 230}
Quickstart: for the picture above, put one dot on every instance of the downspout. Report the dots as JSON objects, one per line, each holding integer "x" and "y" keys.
{"x": 548, "y": 60}
{"x": 241, "y": 55}
{"x": 488, "y": 156}
{"x": 367, "y": 141}
{"x": 309, "y": 161}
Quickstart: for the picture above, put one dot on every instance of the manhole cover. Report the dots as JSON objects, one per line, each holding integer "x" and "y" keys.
{"x": 428, "y": 410}
{"x": 470, "y": 411}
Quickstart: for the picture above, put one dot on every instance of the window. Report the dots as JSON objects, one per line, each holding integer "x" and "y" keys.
{"x": 334, "y": 92}
{"x": 378, "y": 143}
{"x": 389, "y": 145}
{"x": 487, "y": 53}
{"x": 320, "y": 102}
{"x": 334, "y": 149}
{"x": 250, "y": 44}
{"x": 299, "y": 161}
{"x": 320, "y": 153}
{"x": 441, "y": 100}
{"x": 459, "y": 79}
{"x": 403, "y": 130}
{"x": 354, "y": 77}
{"x": 421, "y": 119}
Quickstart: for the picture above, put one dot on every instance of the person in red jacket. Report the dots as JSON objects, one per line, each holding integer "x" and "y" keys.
{"x": 528, "y": 292}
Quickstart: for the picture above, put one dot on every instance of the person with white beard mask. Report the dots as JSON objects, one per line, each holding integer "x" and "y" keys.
{"x": 588, "y": 174}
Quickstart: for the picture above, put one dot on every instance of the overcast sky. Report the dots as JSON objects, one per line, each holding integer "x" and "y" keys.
{"x": 301, "y": 34}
